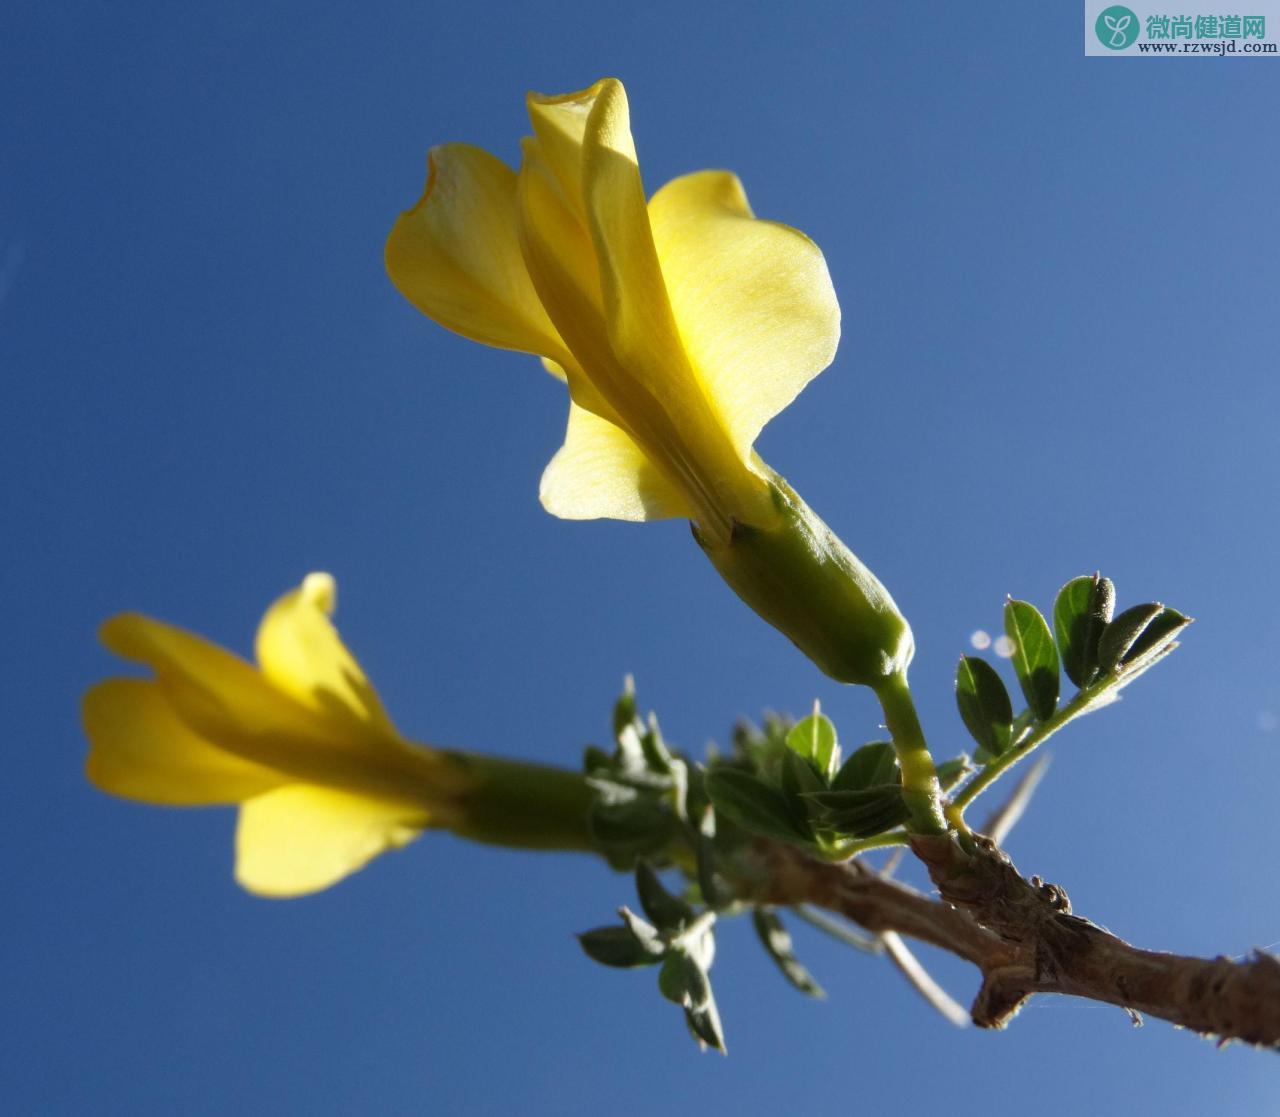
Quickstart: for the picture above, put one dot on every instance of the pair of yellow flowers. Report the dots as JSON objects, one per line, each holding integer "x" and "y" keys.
{"x": 681, "y": 325}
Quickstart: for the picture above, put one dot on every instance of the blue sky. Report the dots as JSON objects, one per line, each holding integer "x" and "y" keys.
{"x": 1060, "y": 285}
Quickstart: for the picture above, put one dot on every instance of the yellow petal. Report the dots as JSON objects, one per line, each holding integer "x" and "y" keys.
{"x": 613, "y": 311}
{"x": 754, "y": 300}
{"x": 141, "y": 749}
{"x": 560, "y": 259}
{"x": 300, "y": 838}
{"x": 615, "y": 286}
{"x": 456, "y": 254}
{"x": 300, "y": 652}
{"x": 218, "y": 694}
{"x": 559, "y": 123}
{"x": 601, "y": 472}
{"x": 638, "y": 313}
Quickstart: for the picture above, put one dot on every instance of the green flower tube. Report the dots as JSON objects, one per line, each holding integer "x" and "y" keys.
{"x": 798, "y": 575}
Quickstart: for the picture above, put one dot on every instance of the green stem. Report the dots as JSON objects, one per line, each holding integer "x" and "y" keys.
{"x": 522, "y": 805}
{"x": 920, "y": 787}
{"x": 846, "y": 850}
{"x": 1080, "y": 704}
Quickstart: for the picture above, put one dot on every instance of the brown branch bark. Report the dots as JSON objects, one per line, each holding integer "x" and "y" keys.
{"x": 1022, "y": 936}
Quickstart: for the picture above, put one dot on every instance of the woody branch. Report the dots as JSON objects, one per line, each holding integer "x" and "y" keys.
{"x": 1024, "y": 939}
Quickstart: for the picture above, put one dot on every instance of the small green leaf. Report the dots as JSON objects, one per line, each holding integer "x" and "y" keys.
{"x": 617, "y": 946}
{"x": 861, "y": 814}
{"x": 667, "y": 911}
{"x": 1082, "y": 609}
{"x": 630, "y": 829}
{"x": 624, "y": 710}
{"x": 1035, "y": 658}
{"x": 656, "y": 754}
{"x": 630, "y": 756}
{"x": 1120, "y": 636}
{"x": 870, "y": 765}
{"x": 1134, "y": 669}
{"x": 644, "y": 934}
{"x": 697, "y": 985}
{"x": 703, "y": 949}
{"x": 705, "y": 852}
{"x": 1156, "y": 641}
{"x": 984, "y": 705}
{"x": 777, "y": 942}
{"x": 684, "y": 982}
{"x": 797, "y": 779}
{"x": 749, "y": 802}
{"x": 814, "y": 738}
{"x": 671, "y": 978}
{"x": 951, "y": 772}
{"x": 798, "y": 775}
{"x": 704, "y": 1024}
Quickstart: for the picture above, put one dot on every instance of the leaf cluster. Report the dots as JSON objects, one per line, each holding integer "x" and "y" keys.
{"x": 1098, "y": 651}
{"x": 795, "y": 786}
{"x": 643, "y": 797}
{"x": 791, "y": 782}
{"x": 678, "y": 939}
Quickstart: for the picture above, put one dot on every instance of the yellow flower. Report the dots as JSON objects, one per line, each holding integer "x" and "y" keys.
{"x": 302, "y": 743}
{"x": 682, "y": 326}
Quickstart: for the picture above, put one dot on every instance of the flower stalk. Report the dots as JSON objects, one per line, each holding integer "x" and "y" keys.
{"x": 920, "y": 788}
{"x": 522, "y": 805}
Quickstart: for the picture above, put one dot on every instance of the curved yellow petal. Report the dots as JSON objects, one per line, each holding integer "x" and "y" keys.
{"x": 218, "y": 694}
{"x": 560, "y": 258}
{"x": 600, "y": 472}
{"x": 612, "y": 310}
{"x": 560, "y": 121}
{"x": 141, "y": 749}
{"x": 300, "y": 651}
{"x": 300, "y": 838}
{"x": 637, "y": 311}
{"x": 456, "y": 254}
{"x": 754, "y": 300}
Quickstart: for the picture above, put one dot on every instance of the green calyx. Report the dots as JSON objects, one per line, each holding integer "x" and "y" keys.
{"x": 523, "y": 805}
{"x": 799, "y": 576}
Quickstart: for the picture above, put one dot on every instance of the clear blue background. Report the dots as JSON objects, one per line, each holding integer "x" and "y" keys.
{"x": 1060, "y": 282}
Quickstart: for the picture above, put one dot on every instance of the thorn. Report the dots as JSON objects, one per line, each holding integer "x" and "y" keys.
{"x": 892, "y": 861}
{"x": 838, "y": 930}
{"x": 922, "y": 981}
